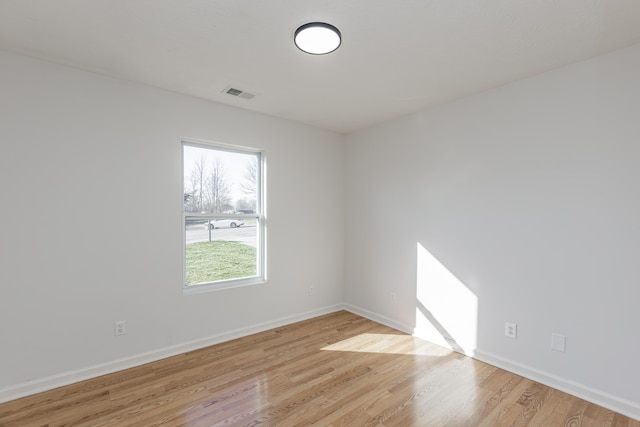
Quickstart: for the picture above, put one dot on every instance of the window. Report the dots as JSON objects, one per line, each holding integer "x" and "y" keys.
{"x": 223, "y": 216}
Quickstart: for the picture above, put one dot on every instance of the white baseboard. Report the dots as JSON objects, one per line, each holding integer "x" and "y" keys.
{"x": 622, "y": 406}
{"x": 70, "y": 377}
{"x": 379, "y": 318}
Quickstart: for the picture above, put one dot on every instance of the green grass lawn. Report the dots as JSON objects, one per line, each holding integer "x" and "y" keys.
{"x": 219, "y": 260}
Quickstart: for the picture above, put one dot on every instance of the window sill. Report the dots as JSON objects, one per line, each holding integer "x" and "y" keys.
{"x": 218, "y": 286}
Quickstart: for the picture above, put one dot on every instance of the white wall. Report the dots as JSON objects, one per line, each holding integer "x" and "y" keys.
{"x": 90, "y": 178}
{"x": 529, "y": 196}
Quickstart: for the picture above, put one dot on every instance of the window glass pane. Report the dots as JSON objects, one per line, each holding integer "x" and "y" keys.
{"x": 224, "y": 231}
{"x": 220, "y": 249}
{"x": 219, "y": 181}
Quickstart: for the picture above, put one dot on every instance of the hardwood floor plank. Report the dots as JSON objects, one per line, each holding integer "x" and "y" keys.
{"x": 334, "y": 370}
{"x": 575, "y": 416}
{"x": 503, "y": 387}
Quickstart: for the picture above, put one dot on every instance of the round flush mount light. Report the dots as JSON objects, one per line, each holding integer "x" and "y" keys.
{"x": 317, "y": 38}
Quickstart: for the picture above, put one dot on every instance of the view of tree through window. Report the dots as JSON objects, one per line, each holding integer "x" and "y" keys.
{"x": 222, "y": 214}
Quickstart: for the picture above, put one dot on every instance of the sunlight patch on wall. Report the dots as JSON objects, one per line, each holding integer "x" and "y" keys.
{"x": 446, "y": 310}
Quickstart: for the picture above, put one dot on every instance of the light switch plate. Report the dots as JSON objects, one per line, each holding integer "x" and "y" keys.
{"x": 558, "y": 342}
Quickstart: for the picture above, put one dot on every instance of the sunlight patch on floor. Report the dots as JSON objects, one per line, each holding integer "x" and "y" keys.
{"x": 388, "y": 344}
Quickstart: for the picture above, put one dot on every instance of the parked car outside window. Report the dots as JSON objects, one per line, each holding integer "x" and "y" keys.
{"x": 223, "y": 223}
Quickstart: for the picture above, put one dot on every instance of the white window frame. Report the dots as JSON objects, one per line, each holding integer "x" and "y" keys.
{"x": 259, "y": 216}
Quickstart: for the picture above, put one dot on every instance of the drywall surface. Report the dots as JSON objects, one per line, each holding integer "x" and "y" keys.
{"x": 91, "y": 226}
{"x": 520, "y": 204}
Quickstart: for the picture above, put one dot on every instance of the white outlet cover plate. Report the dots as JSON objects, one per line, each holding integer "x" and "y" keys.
{"x": 558, "y": 342}
{"x": 511, "y": 330}
{"x": 120, "y": 327}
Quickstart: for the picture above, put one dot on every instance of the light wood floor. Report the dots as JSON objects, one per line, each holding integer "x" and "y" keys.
{"x": 338, "y": 369}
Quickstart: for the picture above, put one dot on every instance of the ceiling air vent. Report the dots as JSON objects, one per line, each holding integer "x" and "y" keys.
{"x": 238, "y": 92}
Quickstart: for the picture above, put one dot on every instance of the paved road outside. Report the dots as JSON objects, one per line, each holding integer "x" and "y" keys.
{"x": 244, "y": 234}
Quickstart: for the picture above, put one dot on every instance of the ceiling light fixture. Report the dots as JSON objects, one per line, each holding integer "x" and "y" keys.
{"x": 317, "y": 38}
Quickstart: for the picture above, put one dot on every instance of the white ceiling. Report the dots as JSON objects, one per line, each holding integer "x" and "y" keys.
{"x": 397, "y": 56}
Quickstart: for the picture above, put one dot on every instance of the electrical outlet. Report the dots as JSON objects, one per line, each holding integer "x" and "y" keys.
{"x": 393, "y": 297}
{"x": 511, "y": 330}
{"x": 311, "y": 290}
{"x": 120, "y": 327}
